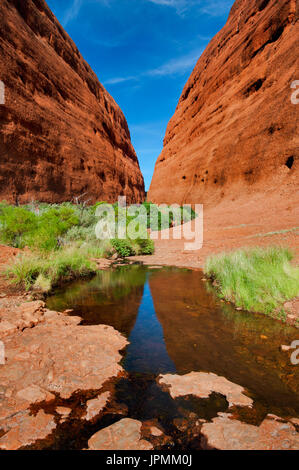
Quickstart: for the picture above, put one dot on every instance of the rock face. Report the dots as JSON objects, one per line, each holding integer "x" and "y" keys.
{"x": 61, "y": 134}
{"x": 235, "y": 129}
{"x": 229, "y": 434}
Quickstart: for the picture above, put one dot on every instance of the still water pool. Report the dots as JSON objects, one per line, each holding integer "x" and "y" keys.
{"x": 175, "y": 324}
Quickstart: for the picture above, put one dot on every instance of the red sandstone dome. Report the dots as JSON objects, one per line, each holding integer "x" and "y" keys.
{"x": 62, "y": 135}
{"x": 235, "y": 129}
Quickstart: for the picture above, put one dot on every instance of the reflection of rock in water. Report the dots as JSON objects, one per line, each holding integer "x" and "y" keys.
{"x": 111, "y": 298}
{"x": 201, "y": 335}
{"x": 122, "y": 316}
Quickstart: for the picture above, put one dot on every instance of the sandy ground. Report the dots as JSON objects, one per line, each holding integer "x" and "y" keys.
{"x": 260, "y": 221}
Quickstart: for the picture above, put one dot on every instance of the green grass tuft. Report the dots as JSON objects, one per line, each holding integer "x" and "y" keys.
{"x": 45, "y": 270}
{"x": 255, "y": 279}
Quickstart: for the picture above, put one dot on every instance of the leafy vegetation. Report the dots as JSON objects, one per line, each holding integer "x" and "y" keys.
{"x": 22, "y": 227}
{"x": 145, "y": 246}
{"x": 62, "y": 238}
{"x": 43, "y": 270}
{"x": 255, "y": 279}
{"x": 128, "y": 247}
{"x": 123, "y": 247}
{"x": 16, "y": 223}
{"x": 62, "y": 242}
{"x": 155, "y": 213}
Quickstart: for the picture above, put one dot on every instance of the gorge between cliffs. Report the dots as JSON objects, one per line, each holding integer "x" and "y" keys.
{"x": 115, "y": 335}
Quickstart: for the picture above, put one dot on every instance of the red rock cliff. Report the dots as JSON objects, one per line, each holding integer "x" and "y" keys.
{"x": 61, "y": 133}
{"x": 235, "y": 130}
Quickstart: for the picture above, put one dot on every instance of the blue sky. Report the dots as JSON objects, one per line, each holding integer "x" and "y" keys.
{"x": 143, "y": 52}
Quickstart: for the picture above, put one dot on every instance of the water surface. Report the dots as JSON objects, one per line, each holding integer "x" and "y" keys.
{"x": 175, "y": 325}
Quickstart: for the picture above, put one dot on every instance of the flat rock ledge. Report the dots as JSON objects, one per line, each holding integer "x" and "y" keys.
{"x": 123, "y": 435}
{"x": 202, "y": 384}
{"x": 52, "y": 357}
{"x": 14, "y": 318}
{"x": 96, "y": 406}
{"x": 225, "y": 433}
{"x": 25, "y": 429}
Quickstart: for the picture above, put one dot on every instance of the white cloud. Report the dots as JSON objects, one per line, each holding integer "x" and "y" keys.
{"x": 72, "y": 12}
{"x": 207, "y": 7}
{"x": 216, "y": 7}
{"x": 179, "y": 5}
{"x": 74, "y": 9}
{"x": 117, "y": 80}
{"x": 177, "y": 66}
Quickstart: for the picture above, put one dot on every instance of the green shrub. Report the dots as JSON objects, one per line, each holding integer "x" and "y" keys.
{"x": 96, "y": 205}
{"x": 255, "y": 279}
{"x": 62, "y": 241}
{"x": 3, "y": 205}
{"x": 123, "y": 248}
{"x": 20, "y": 227}
{"x": 16, "y": 222}
{"x": 154, "y": 216}
{"x": 146, "y": 246}
{"x": 129, "y": 247}
{"x": 77, "y": 233}
{"x": 60, "y": 220}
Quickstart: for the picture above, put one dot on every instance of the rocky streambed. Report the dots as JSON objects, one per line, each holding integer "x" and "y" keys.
{"x": 142, "y": 359}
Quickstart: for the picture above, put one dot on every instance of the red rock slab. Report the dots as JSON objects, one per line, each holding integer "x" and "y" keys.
{"x": 202, "y": 384}
{"x": 55, "y": 358}
{"x": 63, "y": 411}
{"x": 25, "y": 429}
{"x": 7, "y": 328}
{"x": 229, "y": 434}
{"x": 34, "y": 394}
{"x": 123, "y": 435}
{"x": 95, "y": 407}
{"x": 25, "y": 315}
